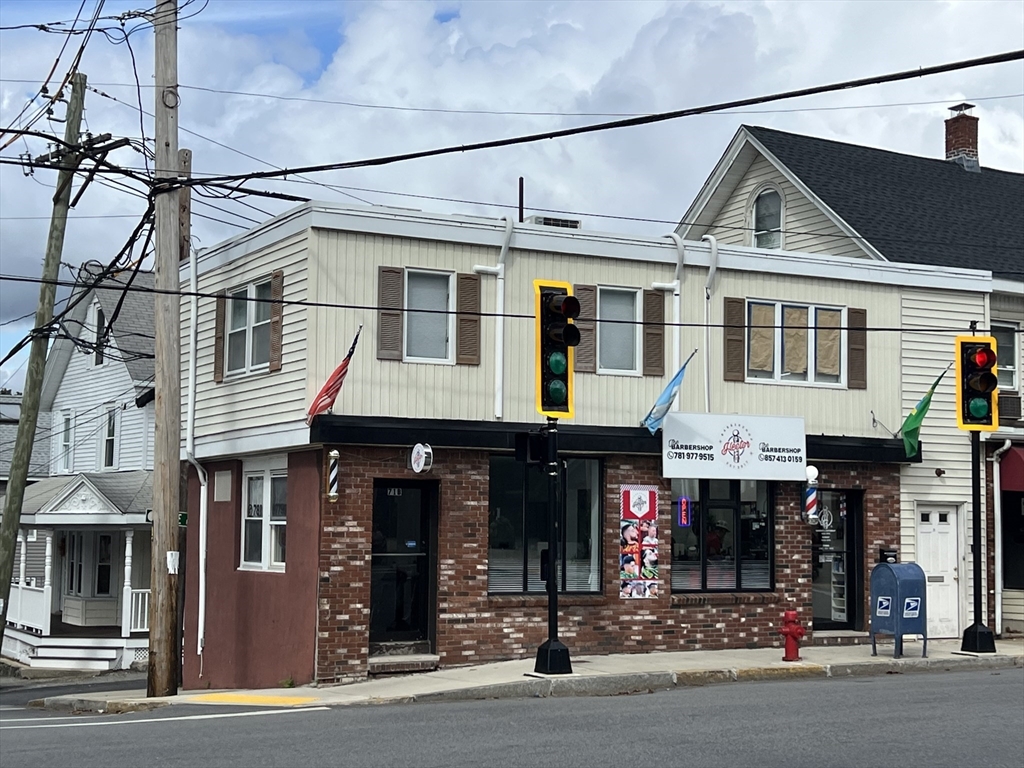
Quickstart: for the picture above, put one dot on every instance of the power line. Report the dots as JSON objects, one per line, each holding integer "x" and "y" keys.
{"x": 629, "y": 122}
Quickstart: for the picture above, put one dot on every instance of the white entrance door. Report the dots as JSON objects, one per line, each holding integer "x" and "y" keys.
{"x": 938, "y": 555}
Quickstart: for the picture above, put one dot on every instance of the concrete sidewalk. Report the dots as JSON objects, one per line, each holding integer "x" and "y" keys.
{"x": 592, "y": 676}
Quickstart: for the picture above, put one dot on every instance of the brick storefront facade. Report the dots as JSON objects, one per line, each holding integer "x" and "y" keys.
{"x": 474, "y": 627}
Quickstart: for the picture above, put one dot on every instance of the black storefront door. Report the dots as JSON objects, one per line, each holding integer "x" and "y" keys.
{"x": 836, "y": 554}
{"x": 402, "y": 562}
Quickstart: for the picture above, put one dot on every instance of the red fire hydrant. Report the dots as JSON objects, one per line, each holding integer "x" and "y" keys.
{"x": 792, "y": 631}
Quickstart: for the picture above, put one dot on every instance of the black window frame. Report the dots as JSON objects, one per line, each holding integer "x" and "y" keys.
{"x": 734, "y": 493}
{"x": 597, "y": 548}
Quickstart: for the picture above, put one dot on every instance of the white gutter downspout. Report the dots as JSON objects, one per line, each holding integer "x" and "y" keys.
{"x": 190, "y": 442}
{"x": 675, "y": 287}
{"x": 499, "y": 319}
{"x": 712, "y": 268}
{"x": 997, "y": 515}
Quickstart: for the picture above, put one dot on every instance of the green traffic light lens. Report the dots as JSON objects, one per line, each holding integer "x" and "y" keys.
{"x": 978, "y": 407}
{"x": 557, "y": 363}
{"x": 558, "y": 392}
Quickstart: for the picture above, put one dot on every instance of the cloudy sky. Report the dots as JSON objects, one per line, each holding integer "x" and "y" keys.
{"x": 417, "y": 75}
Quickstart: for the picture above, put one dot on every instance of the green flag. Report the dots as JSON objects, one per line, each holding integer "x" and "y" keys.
{"x": 912, "y": 426}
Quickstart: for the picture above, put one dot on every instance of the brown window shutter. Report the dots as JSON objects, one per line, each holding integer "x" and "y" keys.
{"x": 735, "y": 339}
{"x": 276, "y": 318}
{"x": 585, "y": 354}
{"x": 390, "y": 301}
{"x": 654, "y": 333}
{"x": 218, "y": 337}
{"x": 467, "y": 321}
{"x": 857, "y": 348}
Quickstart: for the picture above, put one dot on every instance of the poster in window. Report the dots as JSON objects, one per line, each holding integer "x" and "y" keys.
{"x": 638, "y": 542}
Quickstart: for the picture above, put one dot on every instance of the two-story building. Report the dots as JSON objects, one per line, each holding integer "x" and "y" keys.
{"x": 82, "y": 573}
{"x": 778, "y": 190}
{"x": 399, "y": 569}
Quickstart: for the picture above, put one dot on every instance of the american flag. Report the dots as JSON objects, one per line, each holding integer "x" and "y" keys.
{"x": 325, "y": 398}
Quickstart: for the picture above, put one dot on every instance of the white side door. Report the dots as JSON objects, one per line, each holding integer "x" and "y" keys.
{"x": 938, "y": 555}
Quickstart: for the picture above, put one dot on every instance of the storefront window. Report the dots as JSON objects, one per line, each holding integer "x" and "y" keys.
{"x": 518, "y": 526}
{"x": 721, "y": 535}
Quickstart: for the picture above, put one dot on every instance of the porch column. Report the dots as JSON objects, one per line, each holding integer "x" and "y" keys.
{"x": 23, "y": 547}
{"x": 126, "y": 592}
{"x": 47, "y": 582}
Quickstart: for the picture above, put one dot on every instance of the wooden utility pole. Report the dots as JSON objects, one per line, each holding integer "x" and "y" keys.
{"x": 184, "y": 247}
{"x": 164, "y": 659}
{"x": 37, "y": 353}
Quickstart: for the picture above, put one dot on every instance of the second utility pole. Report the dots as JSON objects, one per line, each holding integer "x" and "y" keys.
{"x": 164, "y": 658}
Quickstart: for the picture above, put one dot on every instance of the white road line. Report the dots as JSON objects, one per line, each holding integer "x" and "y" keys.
{"x": 6, "y": 708}
{"x": 44, "y": 718}
{"x": 290, "y": 710}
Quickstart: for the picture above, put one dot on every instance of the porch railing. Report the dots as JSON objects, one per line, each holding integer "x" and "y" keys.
{"x": 140, "y": 610}
{"x": 30, "y": 608}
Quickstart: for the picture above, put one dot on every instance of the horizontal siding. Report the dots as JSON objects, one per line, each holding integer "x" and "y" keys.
{"x": 805, "y": 227}
{"x": 931, "y": 320}
{"x": 261, "y": 400}
{"x": 1013, "y": 605}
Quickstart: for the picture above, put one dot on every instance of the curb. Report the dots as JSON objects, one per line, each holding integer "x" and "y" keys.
{"x": 78, "y": 704}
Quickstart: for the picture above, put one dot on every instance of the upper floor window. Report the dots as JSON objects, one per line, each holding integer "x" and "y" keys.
{"x": 1006, "y": 353}
{"x": 96, "y": 327}
{"x": 65, "y": 445}
{"x": 428, "y": 333}
{"x": 428, "y": 316}
{"x": 248, "y": 325}
{"x": 619, "y": 326}
{"x": 794, "y": 342}
{"x": 108, "y": 438}
{"x": 264, "y": 513}
{"x": 768, "y": 220}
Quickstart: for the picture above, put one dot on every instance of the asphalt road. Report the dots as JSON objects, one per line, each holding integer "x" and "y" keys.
{"x": 941, "y": 719}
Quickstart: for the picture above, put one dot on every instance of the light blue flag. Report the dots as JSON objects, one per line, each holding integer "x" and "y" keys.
{"x": 653, "y": 419}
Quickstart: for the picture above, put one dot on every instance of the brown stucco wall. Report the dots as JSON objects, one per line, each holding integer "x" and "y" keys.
{"x": 260, "y": 626}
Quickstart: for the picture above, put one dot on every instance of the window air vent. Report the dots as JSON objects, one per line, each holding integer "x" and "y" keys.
{"x": 547, "y": 221}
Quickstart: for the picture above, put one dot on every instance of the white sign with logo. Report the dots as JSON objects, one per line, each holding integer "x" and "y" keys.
{"x": 421, "y": 458}
{"x": 733, "y": 447}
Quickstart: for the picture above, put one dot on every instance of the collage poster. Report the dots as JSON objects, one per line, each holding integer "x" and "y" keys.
{"x": 638, "y": 542}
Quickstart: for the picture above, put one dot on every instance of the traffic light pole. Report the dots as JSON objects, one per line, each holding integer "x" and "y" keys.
{"x": 977, "y": 638}
{"x": 553, "y": 655}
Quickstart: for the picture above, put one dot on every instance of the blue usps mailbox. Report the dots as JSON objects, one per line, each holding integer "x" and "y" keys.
{"x": 898, "y": 602}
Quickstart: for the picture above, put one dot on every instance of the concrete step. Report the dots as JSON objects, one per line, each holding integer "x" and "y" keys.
{"x": 76, "y": 642}
{"x": 47, "y": 652}
{"x": 399, "y": 663}
{"x": 80, "y": 664}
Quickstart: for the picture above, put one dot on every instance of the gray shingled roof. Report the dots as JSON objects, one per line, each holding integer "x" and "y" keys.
{"x": 913, "y": 209}
{"x": 130, "y": 492}
{"x": 134, "y": 328}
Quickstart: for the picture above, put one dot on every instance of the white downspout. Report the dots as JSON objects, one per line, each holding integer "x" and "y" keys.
{"x": 675, "y": 287}
{"x": 712, "y": 268}
{"x": 190, "y": 437}
{"x": 997, "y": 522}
{"x": 499, "y": 319}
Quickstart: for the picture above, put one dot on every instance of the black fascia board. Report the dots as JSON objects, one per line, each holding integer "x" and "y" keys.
{"x": 333, "y": 429}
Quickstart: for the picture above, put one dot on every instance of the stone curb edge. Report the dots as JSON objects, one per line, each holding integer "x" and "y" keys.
{"x": 602, "y": 685}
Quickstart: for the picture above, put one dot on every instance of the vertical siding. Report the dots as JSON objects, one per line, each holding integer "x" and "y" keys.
{"x": 805, "y": 227}
{"x": 931, "y": 320}
{"x": 85, "y": 390}
{"x": 259, "y": 400}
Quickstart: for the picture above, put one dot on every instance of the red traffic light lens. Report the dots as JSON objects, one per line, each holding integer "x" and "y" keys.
{"x": 566, "y": 306}
{"x": 982, "y": 357}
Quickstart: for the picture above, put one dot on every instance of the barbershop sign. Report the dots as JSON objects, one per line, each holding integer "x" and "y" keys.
{"x": 733, "y": 447}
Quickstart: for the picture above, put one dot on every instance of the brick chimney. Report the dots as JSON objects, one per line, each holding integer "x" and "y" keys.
{"x": 962, "y": 137}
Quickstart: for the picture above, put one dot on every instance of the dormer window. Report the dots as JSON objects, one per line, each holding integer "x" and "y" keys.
{"x": 768, "y": 220}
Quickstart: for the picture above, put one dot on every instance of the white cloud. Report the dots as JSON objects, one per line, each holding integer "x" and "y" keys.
{"x": 528, "y": 56}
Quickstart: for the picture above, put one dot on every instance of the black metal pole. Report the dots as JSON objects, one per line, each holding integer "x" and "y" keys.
{"x": 553, "y": 655}
{"x": 977, "y": 638}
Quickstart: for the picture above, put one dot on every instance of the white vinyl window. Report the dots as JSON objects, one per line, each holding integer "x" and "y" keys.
{"x": 618, "y": 343}
{"x": 768, "y": 220}
{"x": 109, "y": 437}
{"x": 248, "y": 332}
{"x": 97, "y": 321}
{"x": 64, "y": 447}
{"x": 264, "y": 514}
{"x": 104, "y": 564}
{"x": 428, "y": 334}
{"x": 795, "y": 343}
{"x": 73, "y": 559}
{"x": 1006, "y": 355}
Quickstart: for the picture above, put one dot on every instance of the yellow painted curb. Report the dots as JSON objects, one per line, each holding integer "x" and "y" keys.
{"x": 253, "y": 699}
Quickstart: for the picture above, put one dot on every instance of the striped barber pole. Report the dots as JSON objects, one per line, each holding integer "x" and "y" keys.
{"x": 810, "y": 501}
{"x": 332, "y": 476}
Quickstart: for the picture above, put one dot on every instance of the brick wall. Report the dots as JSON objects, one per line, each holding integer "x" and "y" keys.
{"x": 474, "y": 627}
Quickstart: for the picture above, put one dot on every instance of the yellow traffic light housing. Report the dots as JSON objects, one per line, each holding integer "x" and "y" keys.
{"x": 977, "y": 384}
{"x": 556, "y": 335}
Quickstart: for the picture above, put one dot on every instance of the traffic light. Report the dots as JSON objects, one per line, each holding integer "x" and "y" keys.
{"x": 556, "y": 336}
{"x": 977, "y": 384}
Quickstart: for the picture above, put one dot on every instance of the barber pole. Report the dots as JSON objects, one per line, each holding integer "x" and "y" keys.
{"x": 811, "y": 502}
{"x": 332, "y": 476}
